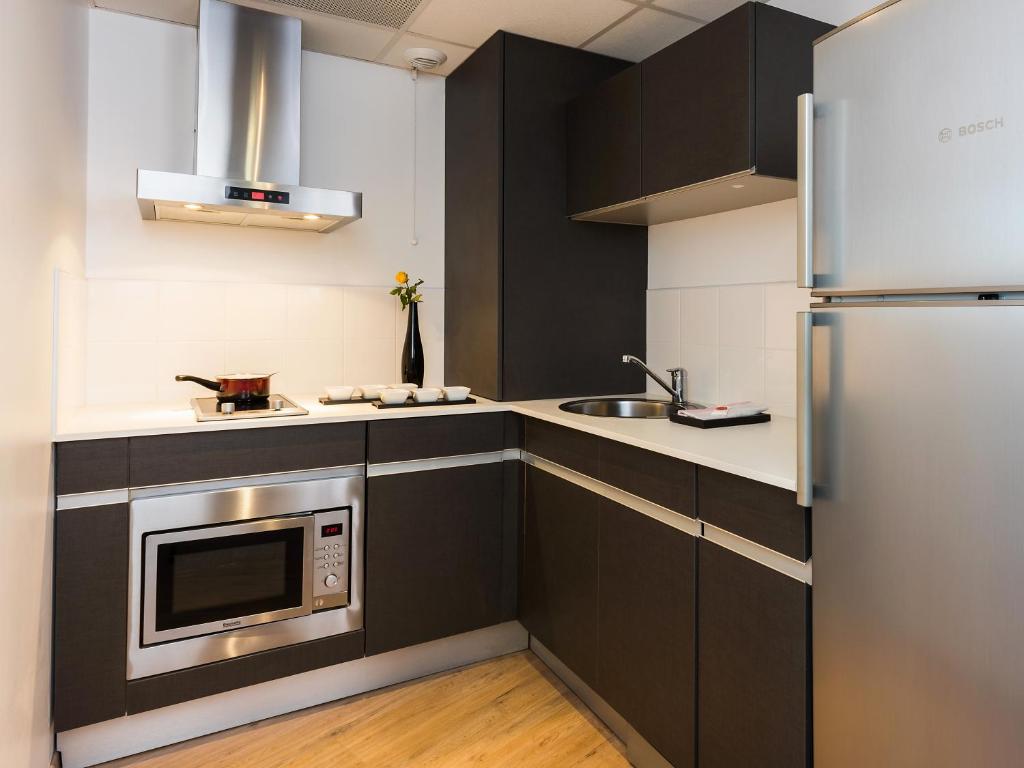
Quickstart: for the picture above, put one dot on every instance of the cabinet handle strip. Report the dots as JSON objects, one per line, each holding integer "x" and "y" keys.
{"x": 441, "y": 462}
{"x": 751, "y": 550}
{"x": 637, "y": 504}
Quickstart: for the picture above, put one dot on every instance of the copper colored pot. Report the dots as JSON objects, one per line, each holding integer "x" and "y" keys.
{"x": 236, "y": 387}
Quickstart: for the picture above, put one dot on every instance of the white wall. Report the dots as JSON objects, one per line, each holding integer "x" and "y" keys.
{"x": 722, "y": 304}
{"x": 42, "y": 153}
{"x": 205, "y": 298}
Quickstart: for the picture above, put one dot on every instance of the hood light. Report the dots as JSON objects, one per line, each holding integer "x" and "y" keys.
{"x": 738, "y": 186}
{"x": 194, "y": 206}
{"x": 311, "y": 217}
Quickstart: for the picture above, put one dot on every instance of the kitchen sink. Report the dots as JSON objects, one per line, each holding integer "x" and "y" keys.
{"x": 625, "y": 407}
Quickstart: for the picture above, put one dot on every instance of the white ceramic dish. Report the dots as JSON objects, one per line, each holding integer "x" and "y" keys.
{"x": 406, "y": 386}
{"x": 454, "y": 394}
{"x": 340, "y": 392}
{"x": 394, "y": 396}
{"x": 370, "y": 391}
{"x": 426, "y": 395}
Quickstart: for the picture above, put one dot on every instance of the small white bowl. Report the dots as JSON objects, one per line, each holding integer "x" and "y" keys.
{"x": 406, "y": 386}
{"x": 370, "y": 391}
{"x": 426, "y": 395}
{"x": 339, "y": 392}
{"x": 454, "y": 394}
{"x": 394, "y": 396}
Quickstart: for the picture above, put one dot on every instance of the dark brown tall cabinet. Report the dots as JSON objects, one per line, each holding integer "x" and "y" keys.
{"x": 536, "y": 305}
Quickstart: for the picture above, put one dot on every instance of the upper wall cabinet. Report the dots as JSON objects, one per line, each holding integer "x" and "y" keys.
{"x": 707, "y": 124}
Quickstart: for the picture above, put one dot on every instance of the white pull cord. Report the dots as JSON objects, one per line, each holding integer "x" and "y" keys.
{"x": 415, "y": 79}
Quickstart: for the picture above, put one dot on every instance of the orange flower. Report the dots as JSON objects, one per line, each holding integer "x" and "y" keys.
{"x": 401, "y": 277}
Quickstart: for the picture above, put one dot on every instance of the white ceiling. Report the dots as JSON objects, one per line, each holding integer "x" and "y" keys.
{"x": 628, "y": 29}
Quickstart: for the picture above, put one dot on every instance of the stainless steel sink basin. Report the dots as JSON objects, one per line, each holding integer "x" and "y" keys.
{"x": 624, "y": 407}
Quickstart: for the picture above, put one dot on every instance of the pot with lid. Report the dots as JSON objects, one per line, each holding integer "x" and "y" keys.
{"x": 235, "y": 387}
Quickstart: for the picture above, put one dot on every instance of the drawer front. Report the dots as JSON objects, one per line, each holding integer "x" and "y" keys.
{"x": 91, "y": 465}
{"x": 570, "y": 448}
{"x": 653, "y": 476}
{"x": 163, "y": 459}
{"x": 762, "y": 513}
{"x": 188, "y": 684}
{"x": 434, "y": 436}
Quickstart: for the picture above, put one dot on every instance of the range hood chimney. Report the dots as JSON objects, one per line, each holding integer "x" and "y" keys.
{"x": 247, "y": 134}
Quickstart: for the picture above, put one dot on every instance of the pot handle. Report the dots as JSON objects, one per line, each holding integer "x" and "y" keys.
{"x": 214, "y": 385}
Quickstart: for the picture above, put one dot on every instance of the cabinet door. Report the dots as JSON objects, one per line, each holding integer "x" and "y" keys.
{"x": 604, "y": 144}
{"x": 433, "y": 555}
{"x": 698, "y": 111}
{"x": 646, "y": 628}
{"x": 558, "y": 590}
{"x": 752, "y": 664}
{"x": 90, "y": 654}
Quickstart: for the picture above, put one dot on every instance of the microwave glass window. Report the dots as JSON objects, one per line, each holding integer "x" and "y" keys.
{"x": 228, "y": 577}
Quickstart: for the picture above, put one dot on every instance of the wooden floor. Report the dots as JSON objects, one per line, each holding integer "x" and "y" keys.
{"x": 507, "y": 712}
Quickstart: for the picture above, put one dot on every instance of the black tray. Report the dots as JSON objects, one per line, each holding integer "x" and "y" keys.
{"x": 414, "y": 404}
{"x": 350, "y": 401}
{"x": 735, "y": 421}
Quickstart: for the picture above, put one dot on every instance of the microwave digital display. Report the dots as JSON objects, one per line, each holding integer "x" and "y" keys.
{"x": 334, "y": 529}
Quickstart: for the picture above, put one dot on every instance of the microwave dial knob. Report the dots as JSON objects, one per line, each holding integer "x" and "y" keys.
{"x": 331, "y": 580}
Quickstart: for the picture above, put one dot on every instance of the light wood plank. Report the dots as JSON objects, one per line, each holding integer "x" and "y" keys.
{"x": 509, "y": 712}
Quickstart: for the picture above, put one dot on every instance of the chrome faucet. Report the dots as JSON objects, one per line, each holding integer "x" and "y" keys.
{"x": 678, "y": 386}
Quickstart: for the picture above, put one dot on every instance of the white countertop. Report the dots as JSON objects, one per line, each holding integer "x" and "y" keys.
{"x": 762, "y": 452}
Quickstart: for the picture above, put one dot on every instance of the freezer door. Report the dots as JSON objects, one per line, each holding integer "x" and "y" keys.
{"x": 919, "y": 149}
{"x": 918, "y": 599}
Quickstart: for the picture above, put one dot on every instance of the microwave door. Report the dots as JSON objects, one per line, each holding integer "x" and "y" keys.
{"x": 214, "y": 579}
{"x": 918, "y": 146}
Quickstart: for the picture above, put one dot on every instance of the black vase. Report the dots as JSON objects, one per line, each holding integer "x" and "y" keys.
{"x": 412, "y": 350}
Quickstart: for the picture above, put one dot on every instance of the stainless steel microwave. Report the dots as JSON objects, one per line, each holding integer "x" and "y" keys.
{"x": 225, "y": 573}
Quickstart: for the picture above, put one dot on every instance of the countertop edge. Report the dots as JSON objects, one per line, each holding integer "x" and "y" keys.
{"x": 360, "y": 412}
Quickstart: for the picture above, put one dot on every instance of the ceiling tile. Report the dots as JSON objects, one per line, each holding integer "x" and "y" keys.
{"x": 708, "y": 10}
{"x": 642, "y": 34}
{"x": 470, "y": 22}
{"x": 456, "y": 53}
{"x": 331, "y": 34}
{"x": 181, "y": 11}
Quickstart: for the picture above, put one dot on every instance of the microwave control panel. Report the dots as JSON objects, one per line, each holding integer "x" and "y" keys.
{"x": 331, "y": 536}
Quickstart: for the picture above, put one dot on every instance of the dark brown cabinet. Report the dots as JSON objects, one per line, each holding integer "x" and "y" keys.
{"x": 647, "y": 628}
{"x": 435, "y": 560}
{"x": 90, "y": 615}
{"x": 536, "y": 305}
{"x": 604, "y": 143}
{"x": 558, "y": 601}
{"x": 753, "y": 645}
{"x": 720, "y": 102}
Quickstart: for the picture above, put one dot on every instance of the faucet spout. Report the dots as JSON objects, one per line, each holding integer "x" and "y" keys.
{"x": 677, "y": 389}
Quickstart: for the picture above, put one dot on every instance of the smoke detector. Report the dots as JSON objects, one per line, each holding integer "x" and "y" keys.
{"x": 425, "y": 59}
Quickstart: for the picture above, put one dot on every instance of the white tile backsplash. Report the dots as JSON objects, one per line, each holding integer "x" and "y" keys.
{"x": 699, "y": 315}
{"x": 257, "y": 312}
{"x": 737, "y": 342}
{"x": 140, "y": 334}
{"x": 663, "y": 317}
{"x": 121, "y": 310}
{"x": 741, "y": 316}
{"x": 191, "y": 311}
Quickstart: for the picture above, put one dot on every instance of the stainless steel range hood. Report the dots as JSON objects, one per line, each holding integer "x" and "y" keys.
{"x": 247, "y": 134}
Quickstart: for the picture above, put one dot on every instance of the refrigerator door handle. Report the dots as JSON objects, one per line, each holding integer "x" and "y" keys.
{"x": 805, "y": 191}
{"x": 804, "y": 474}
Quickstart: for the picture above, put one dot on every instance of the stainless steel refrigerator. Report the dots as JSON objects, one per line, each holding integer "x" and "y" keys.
{"x": 912, "y": 385}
